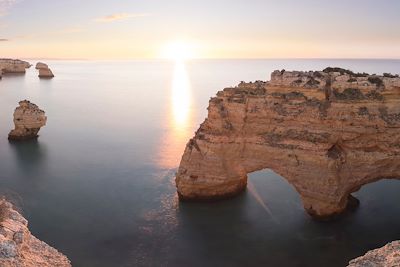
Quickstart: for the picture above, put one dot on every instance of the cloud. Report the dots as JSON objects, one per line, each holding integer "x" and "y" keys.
{"x": 5, "y": 5}
{"x": 4, "y": 40}
{"x": 121, "y": 16}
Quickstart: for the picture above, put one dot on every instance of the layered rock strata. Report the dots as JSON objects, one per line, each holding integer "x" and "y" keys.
{"x": 18, "y": 247}
{"x": 387, "y": 256}
{"x": 28, "y": 119}
{"x": 327, "y": 132}
{"x": 13, "y": 66}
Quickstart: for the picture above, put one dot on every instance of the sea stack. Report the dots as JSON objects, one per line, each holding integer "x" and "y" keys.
{"x": 28, "y": 119}
{"x": 44, "y": 70}
{"x": 18, "y": 247}
{"x": 327, "y": 132}
{"x": 387, "y": 256}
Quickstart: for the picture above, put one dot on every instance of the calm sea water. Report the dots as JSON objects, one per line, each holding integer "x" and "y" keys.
{"x": 99, "y": 183}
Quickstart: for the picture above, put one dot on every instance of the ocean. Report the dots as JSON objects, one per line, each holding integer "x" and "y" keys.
{"x": 98, "y": 184}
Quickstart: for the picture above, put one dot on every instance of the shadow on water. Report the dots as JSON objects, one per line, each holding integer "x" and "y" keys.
{"x": 30, "y": 155}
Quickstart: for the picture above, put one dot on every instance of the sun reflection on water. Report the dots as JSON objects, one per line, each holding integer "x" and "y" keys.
{"x": 179, "y": 118}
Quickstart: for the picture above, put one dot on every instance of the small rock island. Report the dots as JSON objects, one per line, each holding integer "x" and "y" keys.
{"x": 327, "y": 132}
{"x": 44, "y": 70}
{"x": 28, "y": 119}
{"x": 18, "y": 247}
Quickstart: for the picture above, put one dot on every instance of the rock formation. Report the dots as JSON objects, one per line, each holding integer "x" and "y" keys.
{"x": 18, "y": 247}
{"x": 41, "y": 65}
{"x": 45, "y": 73}
{"x": 28, "y": 120}
{"x": 13, "y": 66}
{"x": 387, "y": 256}
{"x": 44, "y": 70}
{"x": 327, "y": 132}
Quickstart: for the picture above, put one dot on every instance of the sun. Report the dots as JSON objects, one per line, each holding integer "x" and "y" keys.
{"x": 178, "y": 51}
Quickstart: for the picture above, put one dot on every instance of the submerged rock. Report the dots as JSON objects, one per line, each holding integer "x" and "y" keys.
{"x": 387, "y": 256}
{"x": 18, "y": 247}
{"x": 327, "y": 132}
{"x": 28, "y": 119}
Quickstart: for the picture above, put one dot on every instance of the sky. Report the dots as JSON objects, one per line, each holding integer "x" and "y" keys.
{"x": 132, "y": 29}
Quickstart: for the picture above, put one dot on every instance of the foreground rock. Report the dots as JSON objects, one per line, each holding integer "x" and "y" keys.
{"x": 387, "y": 256}
{"x": 13, "y": 66}
{"x": 327, "y": 132}
{"x": 18, "y": 247}
{"x": 28, "y": 119}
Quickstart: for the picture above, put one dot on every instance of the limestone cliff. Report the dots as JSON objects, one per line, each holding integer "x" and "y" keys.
{"x": 18, "y": 247}
{"x": 45, "y": 73}
{"x": 28, "y": 120}
{"x": 327, "y": 132}
{"x": 13, "y": 66}
{"x": 387, "y": 256}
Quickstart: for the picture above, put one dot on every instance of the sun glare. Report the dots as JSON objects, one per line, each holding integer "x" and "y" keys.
{"x": 178, "y": 51}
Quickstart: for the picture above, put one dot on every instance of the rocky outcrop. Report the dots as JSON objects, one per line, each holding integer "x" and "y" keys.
{"x": 327, "y": 132}
{"x": 41, "y": 65}
{"x": 387, "y": 256}
{"x": 18, "y": 247}
{"x": 44, "y": 70}
{"x": 28, "y": 119}
{"x": 45, "y": 73}
{"x": 13, "y": 66}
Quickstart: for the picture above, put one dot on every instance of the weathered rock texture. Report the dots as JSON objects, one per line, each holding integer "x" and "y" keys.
{"x": 18, "y": 247}
{"x": 13, "y": 66}
{"x": 327, "y": 132}
{"x": 41, "y": 65}
{"x": 44, "y": 70}
{"x": 28, "y": 119}
{"x": 387, "y": 256}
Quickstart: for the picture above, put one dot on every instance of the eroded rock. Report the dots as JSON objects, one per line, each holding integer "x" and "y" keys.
{"x": 327, "y": 132}
{"x": 18, "y": 247}
{"x": 41, "y": 65}
{"x": 45, "y": 73}
{"x": 387, "y": 256}
{"x": 28, "y": 119}
{"x": 13, "y": 66}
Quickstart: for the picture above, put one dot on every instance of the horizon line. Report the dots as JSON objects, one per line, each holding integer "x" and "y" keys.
{"x": 207, "y": 58}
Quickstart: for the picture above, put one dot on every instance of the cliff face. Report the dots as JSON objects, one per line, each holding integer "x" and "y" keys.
{"x": 28, "y": 120}
{"x": 18, "y": 247}
{"x": 387, "y": 256}
{"x": 13, "y": 66}
{"x": 327, "y": 132}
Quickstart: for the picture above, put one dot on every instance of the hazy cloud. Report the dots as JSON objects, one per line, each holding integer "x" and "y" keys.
{"x": 121, "y": 16}
{"x": 5, "y": 5}
{"x": 3, "y": 40}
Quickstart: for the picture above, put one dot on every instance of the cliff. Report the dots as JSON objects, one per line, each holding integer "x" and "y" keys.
{"x": 13, "y": 66}
{"x": 28, "y": 119}
{"x": 327, "y": 132}
{"x": 18, "y": 247}
{"x": 387, "y": 256}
